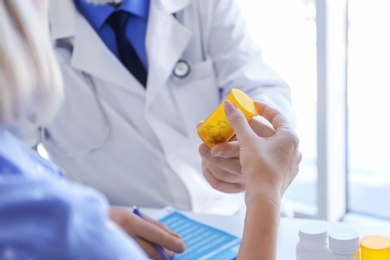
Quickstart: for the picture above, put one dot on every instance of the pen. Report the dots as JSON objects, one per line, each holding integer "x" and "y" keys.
{"x": 160, "y": 250}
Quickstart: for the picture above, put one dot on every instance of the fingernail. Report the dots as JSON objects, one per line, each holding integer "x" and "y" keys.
{"x": 229, "y": 107}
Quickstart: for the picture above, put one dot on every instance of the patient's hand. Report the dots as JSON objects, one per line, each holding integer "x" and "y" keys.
{"x": 146, "y": 232}
{"x": 221, "y": 164}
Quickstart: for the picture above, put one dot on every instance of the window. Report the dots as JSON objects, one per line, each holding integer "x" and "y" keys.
{"x": 285, "y": 30}
{"x": 335, "y": 55}
{"x": 305, "y": 41}
{"x": 369, "y": 108}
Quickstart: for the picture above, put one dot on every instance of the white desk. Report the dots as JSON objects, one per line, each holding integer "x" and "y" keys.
{"x": 288, "y": 229}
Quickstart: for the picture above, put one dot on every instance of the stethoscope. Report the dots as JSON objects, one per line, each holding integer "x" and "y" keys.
{"x": 181, "y": 71}
{"x": 107, "y": 127}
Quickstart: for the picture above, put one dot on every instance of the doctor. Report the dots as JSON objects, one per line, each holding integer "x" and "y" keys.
{"x": 133, "y": 137}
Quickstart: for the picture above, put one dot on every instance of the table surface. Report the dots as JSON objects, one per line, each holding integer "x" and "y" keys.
{"x": 288, "y": 228}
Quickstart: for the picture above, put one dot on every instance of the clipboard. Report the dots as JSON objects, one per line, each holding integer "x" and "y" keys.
{"x": 202, "y": 241}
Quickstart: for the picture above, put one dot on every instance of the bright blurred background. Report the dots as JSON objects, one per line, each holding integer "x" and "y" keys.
{"x": 286, "y": 31}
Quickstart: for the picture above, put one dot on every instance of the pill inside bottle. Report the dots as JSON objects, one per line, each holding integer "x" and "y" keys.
{"x": 216, "y": 128}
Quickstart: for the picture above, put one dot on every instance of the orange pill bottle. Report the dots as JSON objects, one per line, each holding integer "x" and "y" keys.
{"x": 216, "y": 128}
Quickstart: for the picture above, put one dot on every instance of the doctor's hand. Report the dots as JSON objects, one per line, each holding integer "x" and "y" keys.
{"x": 221, "y": 164}
{"x": 147, "y": 231}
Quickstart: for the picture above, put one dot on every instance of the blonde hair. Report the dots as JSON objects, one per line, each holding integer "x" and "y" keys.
{"x": 30, "y": 78}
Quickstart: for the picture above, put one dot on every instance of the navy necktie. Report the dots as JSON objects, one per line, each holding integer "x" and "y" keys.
{"x": 127, "y": 54}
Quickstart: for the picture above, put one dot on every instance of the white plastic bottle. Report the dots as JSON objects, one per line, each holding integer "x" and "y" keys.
{"x": 343, "y": 244}
{"x": 313, "y": 242}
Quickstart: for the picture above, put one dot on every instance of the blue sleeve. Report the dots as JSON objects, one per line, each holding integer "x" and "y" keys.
{"x": 47, "y": 219}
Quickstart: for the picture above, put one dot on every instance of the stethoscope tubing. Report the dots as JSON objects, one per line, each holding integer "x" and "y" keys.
{"x": 181, "y": 71}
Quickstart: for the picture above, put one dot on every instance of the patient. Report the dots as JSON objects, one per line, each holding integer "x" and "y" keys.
{"x": 43, "y": 216}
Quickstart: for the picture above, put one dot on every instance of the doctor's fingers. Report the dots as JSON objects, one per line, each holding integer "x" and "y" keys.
{"x": 229, "y": 164}
{"x": 222, "y": 185}
{"x": 228, "y": 170}
{"x": 222, "y": 174}
{"x": 231, "y": 149}
{"x": 216, "y": 164}
{"x": 226, "y": 150}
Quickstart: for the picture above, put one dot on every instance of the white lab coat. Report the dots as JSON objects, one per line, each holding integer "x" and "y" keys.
{"x": 151, "y": 157}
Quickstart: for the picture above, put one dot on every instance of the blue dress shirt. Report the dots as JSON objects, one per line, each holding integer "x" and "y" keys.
{"x": 98, "y": 14}
{"x": 43, "y": 216}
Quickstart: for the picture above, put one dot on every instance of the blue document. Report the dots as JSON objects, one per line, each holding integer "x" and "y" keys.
{"x": 202, "y": 241}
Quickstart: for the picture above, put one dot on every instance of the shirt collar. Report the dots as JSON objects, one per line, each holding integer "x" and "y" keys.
{"x": 98, "y": 14}
{"x": 94, "y": 13}
{"x": 18, "y": 158}
{"x": 136, "y": 7}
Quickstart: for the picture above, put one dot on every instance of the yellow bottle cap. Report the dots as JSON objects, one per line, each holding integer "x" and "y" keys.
{"x": 372, "y": 246}
{"x": 241, "y": 100}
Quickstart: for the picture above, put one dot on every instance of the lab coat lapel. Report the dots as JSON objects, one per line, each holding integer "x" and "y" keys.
{"x": 166, "y": 39}
{"x": 89, "y": 52}
{"x": 92, "y": 56}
